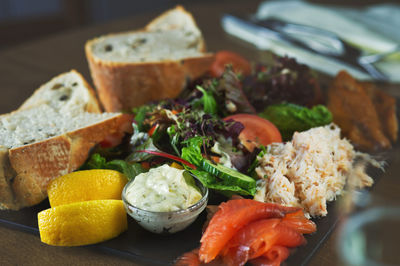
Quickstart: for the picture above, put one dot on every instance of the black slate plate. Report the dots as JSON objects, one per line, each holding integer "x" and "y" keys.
{"x": 147, "y": 248}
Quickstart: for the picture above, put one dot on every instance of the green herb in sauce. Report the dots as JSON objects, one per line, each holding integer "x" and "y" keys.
{"x": 163, "y": 189}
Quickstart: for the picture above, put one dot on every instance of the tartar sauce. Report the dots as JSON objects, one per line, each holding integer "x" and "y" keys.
{"x": 162, "y": 189}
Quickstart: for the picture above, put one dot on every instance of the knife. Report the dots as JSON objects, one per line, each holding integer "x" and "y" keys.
{"x": 309, "y": 38}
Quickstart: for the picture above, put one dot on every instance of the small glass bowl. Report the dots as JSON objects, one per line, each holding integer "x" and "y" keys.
{"x": 167, "y": 222}
{"x": 370, "y": 237}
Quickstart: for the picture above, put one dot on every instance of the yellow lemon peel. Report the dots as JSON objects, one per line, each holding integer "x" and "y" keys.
{"x": 86, "y": 185}
{"x": 82, "y": 223}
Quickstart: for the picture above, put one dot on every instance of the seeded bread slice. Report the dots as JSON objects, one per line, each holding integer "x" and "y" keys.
{"x": 67, "y": 92}
{"x": 130, "y": 69}
{"x": 47, "y": 138}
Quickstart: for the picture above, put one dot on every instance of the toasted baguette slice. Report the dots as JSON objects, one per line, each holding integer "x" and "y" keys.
{"x": 45, "y": 139}
{"x": 130, "y": 69}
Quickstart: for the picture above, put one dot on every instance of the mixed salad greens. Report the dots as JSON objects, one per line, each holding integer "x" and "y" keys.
{"x": 201, "y": 128}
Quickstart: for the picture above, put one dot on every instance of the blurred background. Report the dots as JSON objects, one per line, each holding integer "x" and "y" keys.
{"x": 24, "y": 20}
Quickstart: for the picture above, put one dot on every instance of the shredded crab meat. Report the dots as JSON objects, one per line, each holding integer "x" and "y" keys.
{"x": 310, "y": 171}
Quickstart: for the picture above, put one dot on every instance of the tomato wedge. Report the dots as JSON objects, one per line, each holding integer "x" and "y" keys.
{"x": 112, "y": 140}
{"x": 222, "y": 58}
{"x": 257, "y": 131}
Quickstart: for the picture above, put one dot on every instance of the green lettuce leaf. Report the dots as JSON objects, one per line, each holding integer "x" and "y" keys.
{"x": 192, "y": 152}
{"x": 289, "y": 118}
{"x": 208, "y": 102}
{"x": 96, "y": 161}
{"x": 140, "y": 114}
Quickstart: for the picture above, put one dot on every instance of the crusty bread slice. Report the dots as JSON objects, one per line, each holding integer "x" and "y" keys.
{"x": 68, "y": 91}
{"x": 130, "y": 69}
{"x": 47, "y": 138}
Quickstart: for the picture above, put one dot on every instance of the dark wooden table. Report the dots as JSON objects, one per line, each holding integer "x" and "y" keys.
{"x": 24, "y": 68}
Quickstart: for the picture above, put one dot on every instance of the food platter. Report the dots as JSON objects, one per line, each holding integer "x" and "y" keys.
{"x": 141, "y": 246}
{"x": 146, "y": 248}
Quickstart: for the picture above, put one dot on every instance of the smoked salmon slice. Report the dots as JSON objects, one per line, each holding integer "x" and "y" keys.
{"x": 230, "y": 218}
{"x": 297, "y": 221}
{"x": 190, "y": 258}
{"x": 246, "y": 241}
{"x": 274, "y": 257}
{"x": 257, "y": 238}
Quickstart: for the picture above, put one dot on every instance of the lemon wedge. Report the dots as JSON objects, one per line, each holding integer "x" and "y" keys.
{"x": 86, "y": 185}
{"x": 82, "y": 223}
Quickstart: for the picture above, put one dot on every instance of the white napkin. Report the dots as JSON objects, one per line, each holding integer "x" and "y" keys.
{"x": 374, "y": 29}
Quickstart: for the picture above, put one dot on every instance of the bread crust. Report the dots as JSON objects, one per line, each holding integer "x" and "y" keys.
{"x": 36, "y": 164}
{"x": 161, "y": 18}
{"x": 154, "y": 24}
{"x": 7, "y": 198}
{"x": 123, "y": 85}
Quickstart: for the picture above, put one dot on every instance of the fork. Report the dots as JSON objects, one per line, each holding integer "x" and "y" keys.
{"x": 327, "y": 43}
{"x": 316, "y": 40}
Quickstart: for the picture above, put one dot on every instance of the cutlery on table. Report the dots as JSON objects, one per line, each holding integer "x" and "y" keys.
{"x": 313, "y": 39}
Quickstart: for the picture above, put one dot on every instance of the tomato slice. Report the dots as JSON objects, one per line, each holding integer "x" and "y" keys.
{"x": 112, "y": 140}
{"x": 222, "y": 58}
{"x": 257, "y": 131}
